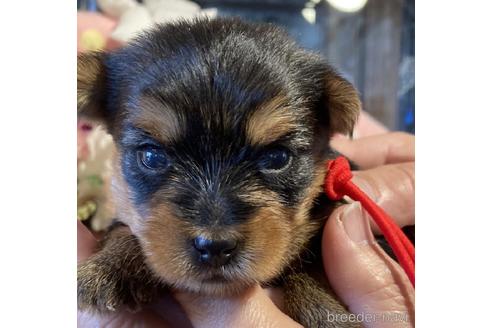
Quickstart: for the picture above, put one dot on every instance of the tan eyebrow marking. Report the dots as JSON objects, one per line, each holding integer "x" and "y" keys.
{"x": 271, "y": 121}
{"x": 160, "y": 121}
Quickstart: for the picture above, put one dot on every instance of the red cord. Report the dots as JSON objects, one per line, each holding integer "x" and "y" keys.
{"x": 338, "y": 185}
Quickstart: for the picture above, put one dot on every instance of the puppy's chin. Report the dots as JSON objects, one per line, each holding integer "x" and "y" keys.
{"x": 217, "y": 286}
{"x": 225, "y": 281}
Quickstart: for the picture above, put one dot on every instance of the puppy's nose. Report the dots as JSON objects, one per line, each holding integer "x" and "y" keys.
{"x": 215, "y": 252}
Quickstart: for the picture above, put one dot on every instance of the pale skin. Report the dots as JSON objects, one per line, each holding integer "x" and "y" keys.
{"x": 363, "y": 276}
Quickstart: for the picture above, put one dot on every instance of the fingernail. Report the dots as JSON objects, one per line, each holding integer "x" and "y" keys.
{"x": 355, "y": 224}
{"x": 366, "y": 187}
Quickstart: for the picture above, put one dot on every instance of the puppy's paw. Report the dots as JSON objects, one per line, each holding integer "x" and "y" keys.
{"x": 102, "y": 288}
{"x": 98, "y": 289}
{"x": 307, "y": 302}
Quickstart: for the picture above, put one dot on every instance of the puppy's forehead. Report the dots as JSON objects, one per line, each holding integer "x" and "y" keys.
{"x": 217, "y": 102}
{"x": 228, "y": 81}
{"x": 260, "y": 124}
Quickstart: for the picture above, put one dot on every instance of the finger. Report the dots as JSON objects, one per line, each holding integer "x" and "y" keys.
{"x": 144, "y": 318}
{"x": 164, "y": 313}
{"x": 253, "y": 308}
{"x": 369, "y": 282}
{"x": 394, "y": 147}
{"x": 392, "y": 187}
{"x": 276, "y": 294}
{"x": 86, "y": 243}
{"x": 366, "y": 126}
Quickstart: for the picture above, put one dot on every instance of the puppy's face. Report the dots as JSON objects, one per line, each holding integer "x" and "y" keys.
{"x": 220, "y": 129}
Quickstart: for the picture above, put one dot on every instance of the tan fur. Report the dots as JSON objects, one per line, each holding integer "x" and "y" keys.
{"x": 343, "y": 104}
{"x": 269, "y": 239}
{"x": 267, "y": 236}
{"x": 125, "y": 211}
{"x": 162, "y": 123}
{"x": 304, "y": 226}
{"x": 270, "y": 122}
{"x": 90, "y": 81}
{"x": 273, "y": 237}
{"x": 164, "y": 239}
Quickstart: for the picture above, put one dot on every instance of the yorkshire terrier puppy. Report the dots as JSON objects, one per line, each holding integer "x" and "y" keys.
{"x": 221, "y": 130}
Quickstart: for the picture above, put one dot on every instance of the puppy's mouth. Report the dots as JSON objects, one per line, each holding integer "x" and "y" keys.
{"x": 228, "y": 280}
{"x": 217, "y": 279}
{"x": 236, "y": 273}
{"x": 230, "y": 273}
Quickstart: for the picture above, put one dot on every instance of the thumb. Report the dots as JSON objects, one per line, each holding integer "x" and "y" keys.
{"x": 369, "y": 282}
{"x": 253, "y": 308}
{"x": 392, "y": 187}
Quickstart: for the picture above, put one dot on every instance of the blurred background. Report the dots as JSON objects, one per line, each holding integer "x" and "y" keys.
{"x": 371, "y": 42}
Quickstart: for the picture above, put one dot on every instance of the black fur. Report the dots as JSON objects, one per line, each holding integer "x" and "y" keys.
{"x": 214, "y": 74}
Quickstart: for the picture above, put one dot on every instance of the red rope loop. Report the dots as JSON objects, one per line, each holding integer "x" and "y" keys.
{"x": 338, "y": 185}
{"x": 338, "y": 174}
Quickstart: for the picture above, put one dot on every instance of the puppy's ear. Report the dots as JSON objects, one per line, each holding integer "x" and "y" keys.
{"x": 342, "y": 103}
{"x": 91, "y": 81}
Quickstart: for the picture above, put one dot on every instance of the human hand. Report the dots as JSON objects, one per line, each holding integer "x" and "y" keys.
{"x": 369, "y": 282}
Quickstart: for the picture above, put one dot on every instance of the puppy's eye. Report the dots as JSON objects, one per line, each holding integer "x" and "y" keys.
{"x": 274, "y": 159}
{"x": 152, "y": 158}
